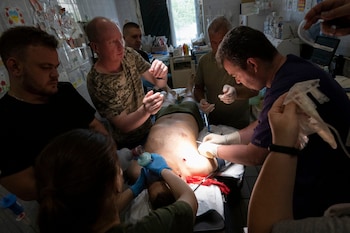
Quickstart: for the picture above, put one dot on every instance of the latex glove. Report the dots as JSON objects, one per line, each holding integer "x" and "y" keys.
{"x": 209, "y": 150}
{"x": 125, "y": 156}
{"x": 205, "y": 106}
{"x": 226, "y": 139}
{"x": 157, "y": 165}
{"x": 229, "y": 94}
{"x": 140, "y": 183}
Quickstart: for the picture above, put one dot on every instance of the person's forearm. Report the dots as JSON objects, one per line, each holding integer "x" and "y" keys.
{"x": 180, "y": 189}
{"x": 245, "y": 93}
{"x": 128, "y": 122}
{"x": 247, "y": 133}
{"x": 125, "y": 199}
{"x": 96, "y": 125}
{"x": 159, "y": 82}
{"x": 272, "y": 196}
{"x": 249, "y": 155}
{"x": 22, "y": 184}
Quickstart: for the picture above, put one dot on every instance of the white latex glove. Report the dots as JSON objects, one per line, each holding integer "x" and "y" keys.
{"x": 205, "y": 106}
{"x": 226, "y": 139}
{"x": 209, "y": 150}
{"x": 229, "y": 94}
{"x": 125, "y": 156}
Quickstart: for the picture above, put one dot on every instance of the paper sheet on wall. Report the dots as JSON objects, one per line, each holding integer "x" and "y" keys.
{"x": 301, "y": 5}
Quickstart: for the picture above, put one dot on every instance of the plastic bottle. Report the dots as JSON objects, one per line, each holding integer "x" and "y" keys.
{"x": 185, "y": 49}
{"x": 144, "y": 159}
{"x": 269, "y": 20}
{"x": 273, "y": 25}
{"x": 10, "y": 202}
{"x": 280, "y": 28}
{"x": 267, "y": 25}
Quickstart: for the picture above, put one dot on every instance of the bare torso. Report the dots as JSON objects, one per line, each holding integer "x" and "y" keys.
{"x": 174, "y": 137}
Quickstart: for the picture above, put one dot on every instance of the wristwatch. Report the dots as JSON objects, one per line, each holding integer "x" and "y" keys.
{"x": 284, "y": 149}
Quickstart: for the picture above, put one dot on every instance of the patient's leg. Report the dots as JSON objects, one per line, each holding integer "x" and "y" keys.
{"x": 189, "y": 96}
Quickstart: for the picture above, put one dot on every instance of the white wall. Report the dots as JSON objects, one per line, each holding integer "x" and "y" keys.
{"x": 213, "y": 8}
{"x": 297, "y": 17}
{"x": 120, "y": 11}
{"x": 23, "y": 6}
{"x": 91, "y": 8}
{"x": 128, "y": 11}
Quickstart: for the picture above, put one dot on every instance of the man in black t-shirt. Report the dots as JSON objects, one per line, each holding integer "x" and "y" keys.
{"x": 36, "y": 108}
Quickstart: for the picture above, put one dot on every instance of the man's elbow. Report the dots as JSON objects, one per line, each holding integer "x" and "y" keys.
{"x": 27, "y": 196}
{"x": 26, "y": 191}
{"x": 257, "y": 159}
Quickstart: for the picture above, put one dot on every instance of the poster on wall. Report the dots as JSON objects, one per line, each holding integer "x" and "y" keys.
{"x": 13, "y": 16}
{"x": 4, "y": 81}
{"x": 301, "y": 5}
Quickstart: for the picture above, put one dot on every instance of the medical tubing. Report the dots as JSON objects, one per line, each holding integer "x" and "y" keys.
{"x": 306, "y": 38}
{"x": 339, "y": 139}
{"x": 212, "y": 174}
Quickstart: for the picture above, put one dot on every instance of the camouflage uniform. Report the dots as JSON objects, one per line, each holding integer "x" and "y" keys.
{"x": 114, "y": 93}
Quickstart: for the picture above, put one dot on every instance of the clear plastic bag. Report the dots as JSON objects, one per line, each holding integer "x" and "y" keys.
{"x": 309, "y": 120}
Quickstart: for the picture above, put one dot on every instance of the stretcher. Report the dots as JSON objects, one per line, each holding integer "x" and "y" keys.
{"x": 211, "y": 193}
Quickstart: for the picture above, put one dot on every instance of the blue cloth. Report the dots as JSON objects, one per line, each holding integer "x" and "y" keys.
{"x": 157, "y": 165}
{"x": 323, "y": 174}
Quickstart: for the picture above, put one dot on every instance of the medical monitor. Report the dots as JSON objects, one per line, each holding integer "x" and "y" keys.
{"x": 324, "y": 57}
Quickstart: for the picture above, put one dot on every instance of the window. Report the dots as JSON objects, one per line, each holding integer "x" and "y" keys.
{"x": 71, "y": 8}
{"x": 184, "y": 21}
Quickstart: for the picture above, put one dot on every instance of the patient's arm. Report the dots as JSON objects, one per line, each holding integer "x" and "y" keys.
{"x": 174, "y": 137}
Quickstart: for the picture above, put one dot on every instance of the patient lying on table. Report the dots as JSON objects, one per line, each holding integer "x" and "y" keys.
{"x": 174, "y": 136}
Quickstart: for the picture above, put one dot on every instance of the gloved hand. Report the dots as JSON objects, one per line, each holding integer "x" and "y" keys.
{"x": 140, "y": 183}
{"x": 209, "y": 150}
{"x": 229, "y": 94}
{"x": 158, "y": 164}
{"x": 205, "y": 106}
{"x": 125, "y": 156}
{"x": 226, "y": 139}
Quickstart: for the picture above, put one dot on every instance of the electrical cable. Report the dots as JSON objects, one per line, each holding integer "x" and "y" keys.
{"x": 305, "y": 36}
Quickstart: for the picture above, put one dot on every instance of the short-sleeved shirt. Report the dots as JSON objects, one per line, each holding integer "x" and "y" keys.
{"x": 322, "y": 172}
{"x": 115, "y": 93}
{"x": 26, "y": 128}
{"x": 213, "y": 78}
{"x": 175, "y": 218}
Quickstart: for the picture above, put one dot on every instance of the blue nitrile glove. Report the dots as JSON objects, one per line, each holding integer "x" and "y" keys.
{"x": 158, "y": 164}
{"x": 140, "y": 183}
